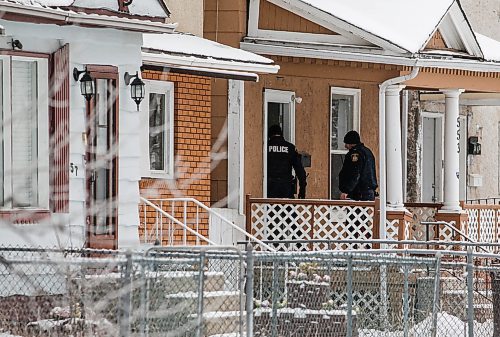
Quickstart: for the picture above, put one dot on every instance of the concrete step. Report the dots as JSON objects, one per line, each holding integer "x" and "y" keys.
{"x": 212, "y": 301}
{"x": 217, "y": 323}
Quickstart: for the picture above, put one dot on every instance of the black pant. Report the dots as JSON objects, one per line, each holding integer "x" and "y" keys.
{"x": 367, "y": 195}
{"x": 276, "y": 189}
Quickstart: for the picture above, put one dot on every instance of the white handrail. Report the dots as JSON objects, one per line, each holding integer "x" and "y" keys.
{"x": 212, "y": 212}
{"x": 158, "y": 209}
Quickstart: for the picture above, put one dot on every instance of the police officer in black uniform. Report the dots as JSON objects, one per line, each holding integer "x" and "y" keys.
{"x": 358, "y": 178}
{"x": 282, "y": 156}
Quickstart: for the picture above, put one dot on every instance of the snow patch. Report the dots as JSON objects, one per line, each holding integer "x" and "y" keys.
{"x": 403, "y": 22}
{"x": 447, "y": 326}
{"x": 196, "y": 46}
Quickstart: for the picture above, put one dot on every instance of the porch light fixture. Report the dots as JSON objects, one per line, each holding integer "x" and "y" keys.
{"x": 87, "y": 87}
{"x": 16, "y": 44}
{"x": 137, "y": 90}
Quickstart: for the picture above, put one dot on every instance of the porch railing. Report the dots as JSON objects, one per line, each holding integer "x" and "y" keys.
{"x": 285, "y": 220}
{"x": 183, "y": 221}
{"x": 289, "y": 219}
{"x": 483, "y": 223}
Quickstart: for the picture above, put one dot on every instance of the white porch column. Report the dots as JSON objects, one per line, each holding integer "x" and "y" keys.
{"x": 451, "y": 197}
{"x": 235, "y": 145}
{"x": 394, "y": 161}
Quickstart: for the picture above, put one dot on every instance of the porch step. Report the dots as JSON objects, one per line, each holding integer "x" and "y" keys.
{"x": 222, "y": 323}
{"x": 212, "y": 300}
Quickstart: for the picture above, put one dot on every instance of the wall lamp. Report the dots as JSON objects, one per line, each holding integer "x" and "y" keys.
{"x": 87, "y": 87}
{"x": 137, "y": 91}
{"x": 16, "y": 44}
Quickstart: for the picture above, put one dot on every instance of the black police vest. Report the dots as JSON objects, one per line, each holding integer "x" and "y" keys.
{"x": 280, "y": 154}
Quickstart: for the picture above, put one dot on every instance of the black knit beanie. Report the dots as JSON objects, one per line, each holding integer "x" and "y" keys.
{"x": 352, "y": 137}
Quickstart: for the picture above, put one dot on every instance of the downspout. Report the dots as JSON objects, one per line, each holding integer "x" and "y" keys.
{"x": 381, "y": 127}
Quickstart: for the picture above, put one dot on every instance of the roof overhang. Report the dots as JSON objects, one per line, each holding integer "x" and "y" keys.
{"x": 295, "y": 50}
{"x": 209, "y": 66}
{"x": 64, "y": 17}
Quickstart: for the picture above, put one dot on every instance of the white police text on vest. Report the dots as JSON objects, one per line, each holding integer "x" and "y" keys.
{"x": 278, "y": 149}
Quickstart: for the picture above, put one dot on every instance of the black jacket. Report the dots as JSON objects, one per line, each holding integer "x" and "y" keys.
{"x": 282, "y": 156}
{"x": 358, "y": 172}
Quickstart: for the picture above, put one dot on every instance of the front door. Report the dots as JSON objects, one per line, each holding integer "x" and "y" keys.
{"x": 279, "y": 108}
{"x": 432, "y": 157}
{"x": 102, "y": 161}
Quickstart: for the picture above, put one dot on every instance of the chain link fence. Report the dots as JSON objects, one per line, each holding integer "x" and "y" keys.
{"x": 376, "y": 293}
{"x": 229, "y": 293}
{"x": 195, "y": 292}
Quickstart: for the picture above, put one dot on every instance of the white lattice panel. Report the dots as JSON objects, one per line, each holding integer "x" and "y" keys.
{"x": 416, "y": 229}
{"x": 392, "y": 231}
{"x": 277, "y": 222}
{"x": 472, "y": 224}
{"x": 487, "y": 225}
{"x": 343, "y": 222}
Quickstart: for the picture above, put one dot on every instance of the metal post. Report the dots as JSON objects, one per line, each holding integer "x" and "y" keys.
{"x": 406, "y": 299}
{"x": 435, "y": 306}
{"x": 470, "y": 291}
{"x": 384, "y": 296}
{"x": 144, "y": 305}
{"x": 249, "y": 290}
{"x": 274, "y": 318}
{"x": 125, "y": 298}
{"x": 349, "y": 296}
{"x": 201, "y": 283}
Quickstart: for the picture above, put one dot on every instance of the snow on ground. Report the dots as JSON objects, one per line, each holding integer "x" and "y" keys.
{"x": 447, "y": 326}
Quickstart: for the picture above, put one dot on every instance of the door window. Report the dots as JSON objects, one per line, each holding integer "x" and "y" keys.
{"x": 102, "y": 161}
{"x": 279, "y": 108}
{"x": 344, "y": 116}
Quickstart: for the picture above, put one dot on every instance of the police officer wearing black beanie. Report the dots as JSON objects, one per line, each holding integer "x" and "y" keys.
{"x": 282, "y": 156}
{"x": 358, "y": 178}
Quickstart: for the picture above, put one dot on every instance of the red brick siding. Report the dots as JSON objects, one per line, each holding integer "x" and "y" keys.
{"x": 192, "y": 145}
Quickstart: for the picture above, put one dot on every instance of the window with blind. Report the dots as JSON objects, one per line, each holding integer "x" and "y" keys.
{"x": 160, "y": 129}
{"x": 24, "y": 133}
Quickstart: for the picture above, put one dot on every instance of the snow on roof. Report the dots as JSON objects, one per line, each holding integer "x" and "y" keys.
{"x": 489, "y": 47}
{"x": 191, "y": 45}
{"x": 405, "y": 23}
{"x": 151, "y": 8}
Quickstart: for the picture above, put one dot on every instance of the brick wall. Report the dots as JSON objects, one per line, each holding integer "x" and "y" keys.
{"x": 192, "y": 146}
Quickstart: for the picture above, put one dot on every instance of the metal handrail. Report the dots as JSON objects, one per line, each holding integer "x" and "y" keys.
{"x": 453, "y": 228}
{"x": 211, "y": 212}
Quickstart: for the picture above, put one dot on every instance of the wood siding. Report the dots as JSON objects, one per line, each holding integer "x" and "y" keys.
{"x": 311, "y": 79}
{"x": 59, "y": 131}
{"x": 436, "y": 42}
{"x": 272, "y": 17}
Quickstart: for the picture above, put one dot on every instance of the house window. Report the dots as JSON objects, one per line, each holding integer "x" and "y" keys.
{"x": 160, "y": 126}
{"x": 344, "y": 116}
{"x": 24, "y": 162}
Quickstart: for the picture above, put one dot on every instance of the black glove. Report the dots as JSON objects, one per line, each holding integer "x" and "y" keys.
{"x": 302, "y": 193}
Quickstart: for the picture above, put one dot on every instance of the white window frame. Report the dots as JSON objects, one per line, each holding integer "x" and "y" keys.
{"x": 42, "y": 125}
{"x": 166, "y": 88}
{"x": 356, "y": 120}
